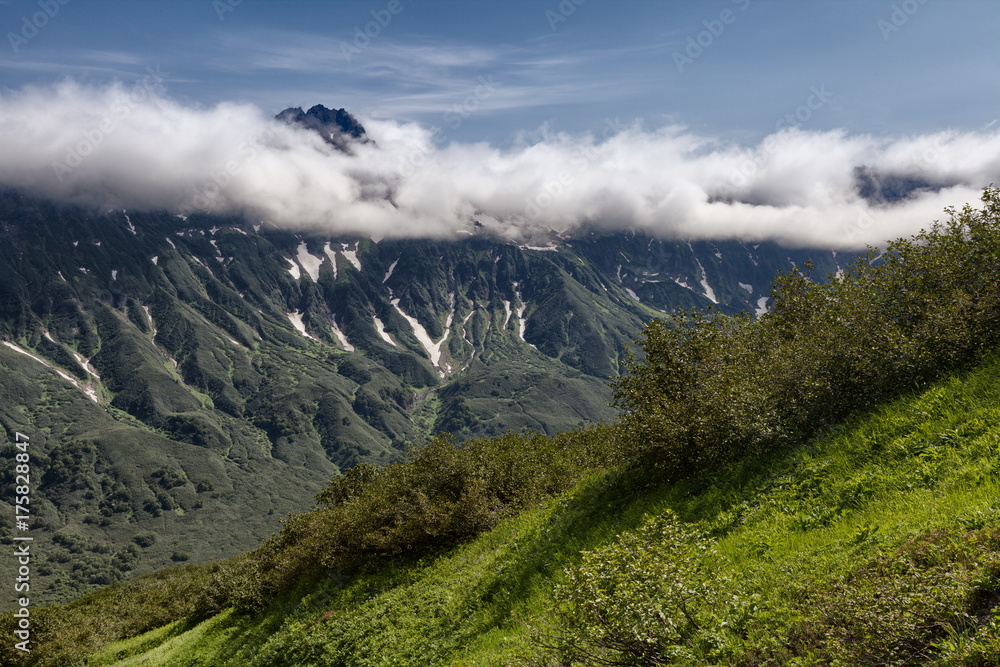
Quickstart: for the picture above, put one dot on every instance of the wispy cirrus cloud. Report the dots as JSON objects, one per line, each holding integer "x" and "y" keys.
{"x": 417, "y": 79}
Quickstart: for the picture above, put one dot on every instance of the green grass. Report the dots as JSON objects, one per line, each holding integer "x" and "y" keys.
{"x": 789, "y": 529}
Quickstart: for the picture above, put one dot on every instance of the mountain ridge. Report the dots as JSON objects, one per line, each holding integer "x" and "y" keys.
{"x": 220, "y": 344}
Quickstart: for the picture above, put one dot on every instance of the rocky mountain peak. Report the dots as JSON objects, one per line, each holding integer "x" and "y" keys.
{"x": 337, "y": 126}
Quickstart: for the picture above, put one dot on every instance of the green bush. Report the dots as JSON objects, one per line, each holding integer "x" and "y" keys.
{"x": 711, "y": 388}
{"x": 145, "y": 539}
{"x": 442, "y": 495}
{"x": 652, "y": 597}
{"x": 64, "y": 635}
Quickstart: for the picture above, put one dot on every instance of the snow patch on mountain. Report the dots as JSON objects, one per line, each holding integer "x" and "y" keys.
{"x": 380, "y": 328}
{"x": 296, "y": 320}
{"x": 80, "y": 359}
{"x": 341, "y": 337}
{"x": 709, "y": 292}
{"x": 522, "y": 322}
{"x": 308, "y": 262}
{"x": 89, "y": 390}
{"x": 433, "y": 348}
{"x": 465, "y": 328}
{"x": 352, "y": 254}
{"x": 152, "y": 325}
{"x": 332, "y": 256}
{"x": 392, "y": 267}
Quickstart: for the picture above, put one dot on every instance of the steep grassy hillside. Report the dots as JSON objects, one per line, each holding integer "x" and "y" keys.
{"x": 875, "y": 543}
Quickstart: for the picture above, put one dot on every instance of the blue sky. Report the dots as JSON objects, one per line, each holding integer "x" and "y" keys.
{"x": 707, "y": 119}
{"x": 889, "y": 68}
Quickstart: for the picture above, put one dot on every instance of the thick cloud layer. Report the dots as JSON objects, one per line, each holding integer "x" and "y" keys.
{"x": 117, "y": 147}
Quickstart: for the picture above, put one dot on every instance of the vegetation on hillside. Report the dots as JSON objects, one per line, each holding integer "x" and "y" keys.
{"x": 731, "y": 516}
{"x": 712, "y": 388}
{"x": 871, "y": 544}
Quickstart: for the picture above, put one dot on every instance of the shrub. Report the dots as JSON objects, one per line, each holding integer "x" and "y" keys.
{"x": 442, "y": 495}
{"x": 145, "y": 539}
{"x": 652, "y": 597}
{"x": 712, "y": 388}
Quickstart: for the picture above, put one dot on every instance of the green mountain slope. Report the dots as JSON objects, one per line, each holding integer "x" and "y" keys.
{"x": 176, "y": 374}
{"x": 795, "y": 538}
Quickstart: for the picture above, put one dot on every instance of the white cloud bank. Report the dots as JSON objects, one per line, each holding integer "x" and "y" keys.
{"x": 114, "y": 147}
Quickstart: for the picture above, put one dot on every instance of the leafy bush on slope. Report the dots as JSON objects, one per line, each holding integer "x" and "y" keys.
{"x": 712, "y": 388}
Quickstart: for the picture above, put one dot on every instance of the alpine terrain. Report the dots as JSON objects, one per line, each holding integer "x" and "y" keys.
{"x": 191, "y": 380}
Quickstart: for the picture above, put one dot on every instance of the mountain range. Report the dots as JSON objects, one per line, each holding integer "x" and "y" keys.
{"x": 189, "y": 380}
